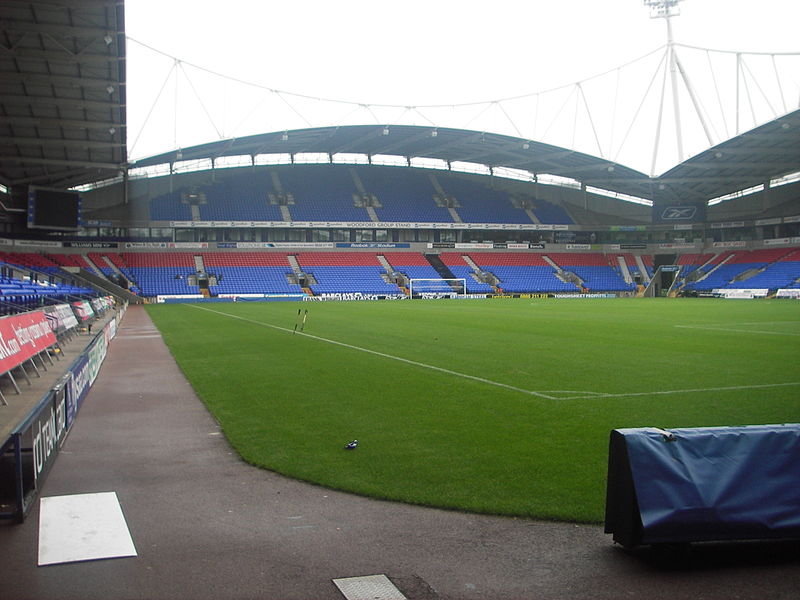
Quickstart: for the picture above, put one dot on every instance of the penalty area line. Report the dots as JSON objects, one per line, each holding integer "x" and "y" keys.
{"x": 383, "y": 355}
{"x": 732, "y": 330}
{"x": 731, "y": 388}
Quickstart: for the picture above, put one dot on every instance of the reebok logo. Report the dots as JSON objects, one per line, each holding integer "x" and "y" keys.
{"x": 678, "y": 213}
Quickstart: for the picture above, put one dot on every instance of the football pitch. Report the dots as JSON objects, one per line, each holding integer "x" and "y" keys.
{"x": 499, "y": 406}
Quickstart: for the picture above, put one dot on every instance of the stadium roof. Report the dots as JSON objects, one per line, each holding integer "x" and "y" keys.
{"x": 63, "y": 122}
{"x": 62, "y": 92}
{"x": 767, "y": 152}
{"x": 752, "y": 158}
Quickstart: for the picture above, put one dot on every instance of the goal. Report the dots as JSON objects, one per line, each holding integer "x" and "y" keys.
{"x": 437, "y": 288}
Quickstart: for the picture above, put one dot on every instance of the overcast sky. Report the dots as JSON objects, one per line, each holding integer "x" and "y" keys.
{"x": 417, "y": 53}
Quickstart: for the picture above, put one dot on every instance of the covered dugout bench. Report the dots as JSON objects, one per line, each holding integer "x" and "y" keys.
{"x": 703, "y": 484}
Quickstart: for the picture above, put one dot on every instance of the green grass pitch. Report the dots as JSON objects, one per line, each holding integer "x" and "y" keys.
{"x": 500, "y": 406}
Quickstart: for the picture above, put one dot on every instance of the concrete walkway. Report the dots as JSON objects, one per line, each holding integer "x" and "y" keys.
{"x": 206, "y": 525}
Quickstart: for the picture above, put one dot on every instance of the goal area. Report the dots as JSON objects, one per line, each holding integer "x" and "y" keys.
{"x": 437, "y": 288}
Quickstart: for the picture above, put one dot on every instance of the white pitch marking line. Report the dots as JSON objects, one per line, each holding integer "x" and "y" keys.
{"x": 763, "y": 323}
{"x": 384, "y": 355}
{"x": 583, "y": 392}
{"x": 736, "y": 330}
{"x": 689, "y": 391}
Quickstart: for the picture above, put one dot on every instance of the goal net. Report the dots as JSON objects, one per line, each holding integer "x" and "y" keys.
{"x": 437, "y": 288}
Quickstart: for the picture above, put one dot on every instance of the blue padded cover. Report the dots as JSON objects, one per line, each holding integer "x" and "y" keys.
{"x": 716, "y": 483}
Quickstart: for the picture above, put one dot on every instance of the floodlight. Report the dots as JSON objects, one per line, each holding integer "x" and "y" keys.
{"x": 663, "y": 9}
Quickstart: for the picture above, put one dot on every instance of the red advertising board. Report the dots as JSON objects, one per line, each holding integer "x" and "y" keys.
{"x": 23, "y": 336}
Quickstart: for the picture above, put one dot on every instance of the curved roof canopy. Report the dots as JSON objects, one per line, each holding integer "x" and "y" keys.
{"x": 767, "y": 152}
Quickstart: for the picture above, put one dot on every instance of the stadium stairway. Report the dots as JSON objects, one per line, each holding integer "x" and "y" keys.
{"x": 441, "y": 268}
{"x": 715, "y": 267}
{"x": 623, "y": 267}
{"x": 642, "y": 269}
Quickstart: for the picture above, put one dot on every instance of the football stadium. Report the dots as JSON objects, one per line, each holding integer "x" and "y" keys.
{"x": 396, "y": 357}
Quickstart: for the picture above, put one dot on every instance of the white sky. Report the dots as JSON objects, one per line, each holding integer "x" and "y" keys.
{"x": 452, "y": 52}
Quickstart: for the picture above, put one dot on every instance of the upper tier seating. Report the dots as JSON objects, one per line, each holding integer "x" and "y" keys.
{"x": 325, "y": 193}
{"x": 169, "y": 207}
{"x": 480, "y": 204}
{"x": 550, "y": 213}
{"x": 405, "y": 195}
{"x": 322, "y": 197}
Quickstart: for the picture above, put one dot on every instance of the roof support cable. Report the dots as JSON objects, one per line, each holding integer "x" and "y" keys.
{"x": 657, "y": 70}
{"x": 510, "y": 120}
{"x": 200, "y": 100}
{"x": 761, "y": 91}
{"x": 743, "y": 71}
{"x": 778, "y": 81}
{"x": 292, "y": 108}
{"x": 719, "y": 96}
{"x": 591, "y": 120}
{"x": 558, "y": 114}
{"x": 152, "y": 107}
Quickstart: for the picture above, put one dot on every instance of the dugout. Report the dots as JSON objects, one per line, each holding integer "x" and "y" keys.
{"x": 703, "y": 484}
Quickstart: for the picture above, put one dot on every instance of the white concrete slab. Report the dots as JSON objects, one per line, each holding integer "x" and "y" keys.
{"x": 368, "y": 587}
{"x": 82, "y": 527}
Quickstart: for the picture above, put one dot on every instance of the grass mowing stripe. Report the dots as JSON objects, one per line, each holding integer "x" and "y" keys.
{"x": 383, "y": 354}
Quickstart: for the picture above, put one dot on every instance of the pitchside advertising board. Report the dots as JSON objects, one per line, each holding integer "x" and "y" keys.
{"x": 22, "y": 337}
{"x": 679, "y": 214}
{"x": 61, "y": 318}
{"x": 41, "y": 435}
{"x": 83, "y": 310}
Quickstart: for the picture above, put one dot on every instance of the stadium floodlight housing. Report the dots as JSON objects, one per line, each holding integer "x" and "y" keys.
{"x": 437, "y": 288}
{"x": 663, "y": 9}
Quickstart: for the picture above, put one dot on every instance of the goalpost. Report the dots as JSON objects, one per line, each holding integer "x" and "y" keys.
{"x": 437, "y": 288}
